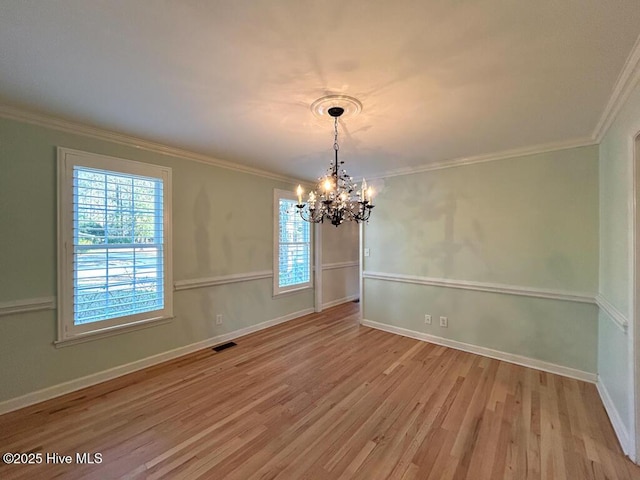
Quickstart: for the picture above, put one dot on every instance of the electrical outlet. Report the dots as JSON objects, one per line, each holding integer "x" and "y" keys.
{"x": 427, "y": 319}
{"x": 444, "y": 322}
{"x": 219, "y": 319}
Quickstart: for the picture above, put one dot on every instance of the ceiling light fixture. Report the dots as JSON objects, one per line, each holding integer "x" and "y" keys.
{"x": 336, "y": 198}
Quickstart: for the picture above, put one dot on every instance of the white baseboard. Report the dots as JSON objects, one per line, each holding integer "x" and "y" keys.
{"x": 339, "y": 301}
{"x": 616, "y": 420}
{"x": 95, "y": 378}
{"x": 487, "y": 352}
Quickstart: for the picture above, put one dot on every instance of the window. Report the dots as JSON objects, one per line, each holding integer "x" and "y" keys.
{"x": 114, "y": 244}
{"x": 292, "y": 249}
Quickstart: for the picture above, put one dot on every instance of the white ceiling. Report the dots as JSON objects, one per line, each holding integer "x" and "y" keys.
{"x": 438, "y": 80}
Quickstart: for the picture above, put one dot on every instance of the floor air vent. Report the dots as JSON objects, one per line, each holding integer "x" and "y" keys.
{"x": 224, "y": 346}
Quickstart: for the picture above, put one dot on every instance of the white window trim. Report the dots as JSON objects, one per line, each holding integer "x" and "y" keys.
{"x": 68, "y": 333}
{"x": 277, "y": 289}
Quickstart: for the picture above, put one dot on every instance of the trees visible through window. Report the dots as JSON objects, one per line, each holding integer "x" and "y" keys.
{"x": 293, "y": 245}
{"x": 118, "y": 261}
{"x": 115, "y": 264}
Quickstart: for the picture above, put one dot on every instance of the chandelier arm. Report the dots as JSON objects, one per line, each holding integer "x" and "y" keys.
{"x": 311, "y": 215}
{"x": 334, "y": 199}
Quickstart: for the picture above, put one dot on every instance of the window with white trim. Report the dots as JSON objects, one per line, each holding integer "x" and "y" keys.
{"x": 292, "y": 245}
{"x": 114, "y": 262}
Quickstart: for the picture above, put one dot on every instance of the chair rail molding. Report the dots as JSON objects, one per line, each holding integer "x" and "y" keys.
{"x": 616, "y": 316}
{"x": 27, "y": 305}
{"x": 483, "y": 287}
{"x": 337, "y": 265}
{"x": 221, "y": 280}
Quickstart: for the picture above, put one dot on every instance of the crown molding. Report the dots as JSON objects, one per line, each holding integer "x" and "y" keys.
{"x": 627, "y": 80}
{"x": 56, "y": 123}
{"x": 490, "y": 157}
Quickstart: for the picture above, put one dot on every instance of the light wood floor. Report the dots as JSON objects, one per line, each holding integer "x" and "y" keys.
{"x": 324, "y": 398}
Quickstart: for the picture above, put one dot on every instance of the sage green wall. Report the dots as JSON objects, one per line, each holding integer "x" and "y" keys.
{"x": 340, "y": 244}
{"x": 527, "y": 221}
{"x": 222, "y": 224}
{"x": 616, "y": 152}
{"x": 554, "y": 331}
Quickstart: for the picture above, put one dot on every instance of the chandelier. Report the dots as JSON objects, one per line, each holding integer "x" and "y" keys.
{"x": 336, "y": 198}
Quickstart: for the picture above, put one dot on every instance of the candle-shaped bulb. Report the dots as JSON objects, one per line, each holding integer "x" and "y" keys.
{"x": 363, "y": 191}
{"x": 327, "y": 185}
{"x": 299, "y": 192}
{"x": 370, "y": 194}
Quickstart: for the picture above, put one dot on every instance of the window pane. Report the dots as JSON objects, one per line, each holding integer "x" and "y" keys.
{"x": 118, "y": 245}
{"x": 294, "y": 249}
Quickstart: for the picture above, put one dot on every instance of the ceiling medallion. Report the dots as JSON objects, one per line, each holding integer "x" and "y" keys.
{"x": 336, "y": 198}
{"x": 350, "y": 106}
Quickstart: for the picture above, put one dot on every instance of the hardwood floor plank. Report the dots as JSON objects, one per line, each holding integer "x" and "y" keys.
{"x": 324, "y": 398}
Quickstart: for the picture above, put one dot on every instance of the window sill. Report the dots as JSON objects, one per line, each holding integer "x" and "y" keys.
{"x": 110, "y": 332}
{"x": 292, "y": 291}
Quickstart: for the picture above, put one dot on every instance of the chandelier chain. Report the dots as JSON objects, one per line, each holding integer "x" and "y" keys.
{"x": 336, "y": 198}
